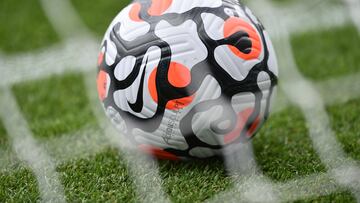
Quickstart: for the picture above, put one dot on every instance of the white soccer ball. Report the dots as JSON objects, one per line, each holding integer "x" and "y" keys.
{"x": 187, "y": 78}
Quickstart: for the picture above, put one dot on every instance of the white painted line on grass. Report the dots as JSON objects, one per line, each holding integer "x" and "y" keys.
{"x": 249, "y": 189}
{"x": 333, "y": 91}
{"x": 64, "y": 18}
{"x": 353, "y": 7}
{"x": 308, "y": 187}
{"x": 340, "y": 90}
{"x": 74, "y": 55}
{"x": 302, "y": 188}
{"x": 28, "y": 150}
{"x": 349, "y": 176}
{"x": 82, "y": 144}
{"x": 301, "y": 18}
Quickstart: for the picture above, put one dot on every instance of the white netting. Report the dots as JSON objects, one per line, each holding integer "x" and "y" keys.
{"x": 342, "y": 173}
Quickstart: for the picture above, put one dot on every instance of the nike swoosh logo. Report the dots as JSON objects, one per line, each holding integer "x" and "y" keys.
{"x": 138, "y": 105}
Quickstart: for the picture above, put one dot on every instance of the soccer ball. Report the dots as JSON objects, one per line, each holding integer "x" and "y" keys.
{"x": 187, "y": 78}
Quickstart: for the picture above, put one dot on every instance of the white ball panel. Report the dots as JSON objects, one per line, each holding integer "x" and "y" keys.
{"x": 214, "y": 26}
{"x": 264, "y": 81}
{"x": 181, "y": 6}
{"x": 272, "y": 62}
{"x": 186, "y": 46}
{"x": 242, "y": 101}
{"x": 111, "y": 53}
{"x": 236, "y": 67}
{"x": 156, "y": 139}
{"x": 125, "y": 67}
{"x": 130, "y": 30}
{"x": 201, "y": 125}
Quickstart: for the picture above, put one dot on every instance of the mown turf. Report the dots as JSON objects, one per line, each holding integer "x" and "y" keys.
{"x": 98, "y": 14}
{"x": 330, "y": 53}
{"x": 105, "y": 177}
{"x": 18, "y": 186}
{"x": 194, "y": 181}
{"x": 338, "y": 197}
{"x": 283, "y": 148}
{"x": 55, "y": 106}
{"x": 97, "y": 179}
{"x": 345, "y": 121}
{"x": 24, "y": 26}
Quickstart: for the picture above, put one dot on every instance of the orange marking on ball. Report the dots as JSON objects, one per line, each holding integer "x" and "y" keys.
{"x": 158, "y": 152}
{"x": 253, "y": 127}
{"x": 179, "y": 103}
{"x": 135, "y": 12}
{"x": 179, "y": 76}
{"x": 152, "y": 85}
{"x": 158, "y": 7}
{"x": 233, "y": 25}
{"x": 102, "y": 85}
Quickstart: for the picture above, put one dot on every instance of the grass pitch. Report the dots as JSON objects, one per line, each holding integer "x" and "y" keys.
{"x": 58, "y": 105}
